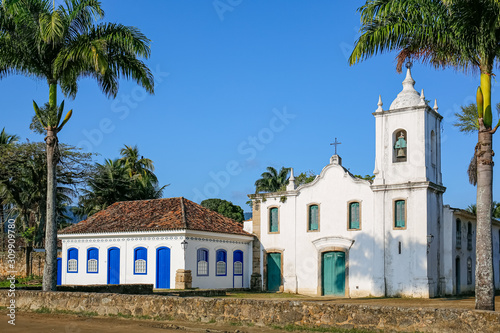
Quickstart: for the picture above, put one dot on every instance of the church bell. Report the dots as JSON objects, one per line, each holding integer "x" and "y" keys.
{"x": 400, "y": 146}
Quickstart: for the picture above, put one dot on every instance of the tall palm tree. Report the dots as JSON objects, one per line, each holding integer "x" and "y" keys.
{"x": 5, "y": 139}
{"x": 464, "y": 35}
{"x": 136, "y": 165}
{"x": 62, "y": 45}
{"x": 272, "y": 180}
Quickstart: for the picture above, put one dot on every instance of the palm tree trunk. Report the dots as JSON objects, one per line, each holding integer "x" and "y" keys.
{"x": 50, "y": 268}
{"x": 485, "y": 288}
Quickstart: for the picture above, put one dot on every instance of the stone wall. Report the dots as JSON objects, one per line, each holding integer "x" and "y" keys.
{"x": 37, "y": 263}
{"x": 263, "y": 312}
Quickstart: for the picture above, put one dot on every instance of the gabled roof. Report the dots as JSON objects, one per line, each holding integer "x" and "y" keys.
{"x": 156, "y": 215}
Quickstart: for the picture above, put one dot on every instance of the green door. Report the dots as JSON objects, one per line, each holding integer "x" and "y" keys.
{"x": 333, "y": 273}
{"x": 273, "y": 271}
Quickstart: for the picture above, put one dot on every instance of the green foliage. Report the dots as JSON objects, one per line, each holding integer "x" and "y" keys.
{"x": 365, "y": 177}
{"x": 304, "y": 178}
{"x": 272, "y": 180}
{"x": 128, "y": 178}
{"x": 225, "y": 208}
{"x": 6, "y": 139}
{"x": 23, "y": 184}
{"x": 495, "y": 209}
{"x": 467, "y": 118}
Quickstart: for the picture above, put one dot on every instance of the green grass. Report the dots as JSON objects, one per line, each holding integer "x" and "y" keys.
{"x": 78, "y": 313}
{"x": 29, "y": 281}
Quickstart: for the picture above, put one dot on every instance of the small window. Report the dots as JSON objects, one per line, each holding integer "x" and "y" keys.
{"x": 72, "y": 260}
{"x": 202, "y": 262}
{"x": 221, "y": 262}
{"x": 469, "y": 236}
{"x": 469, "y": 270}
{"x": 400, "y": 214}
{"x": 458, "y": 234}
{"x": 92, "y": 260}
{"x": 238, "y": 262}
{"x": 140, "y": 260}
{"x": 273, "y": 220}
{"x": 313, "y": 218}
{"x": 354, "y": 216}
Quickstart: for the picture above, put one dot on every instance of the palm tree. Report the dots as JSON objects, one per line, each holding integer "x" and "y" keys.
{"x": 135, "y": 165}
{"x": 272, "y": 180}
{"x": 62, "y": 45}
{"x": 461, "y": 34}
{"x": 5, "y": 139}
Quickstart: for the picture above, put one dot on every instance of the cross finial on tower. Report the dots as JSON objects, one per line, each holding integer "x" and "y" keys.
{"x": 336, "y": 143}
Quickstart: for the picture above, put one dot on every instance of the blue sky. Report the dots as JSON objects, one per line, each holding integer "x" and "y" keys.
{"x": 242, "y": 85}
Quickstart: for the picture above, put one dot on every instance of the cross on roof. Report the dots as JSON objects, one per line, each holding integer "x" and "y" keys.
{"x": 336, "y": 143}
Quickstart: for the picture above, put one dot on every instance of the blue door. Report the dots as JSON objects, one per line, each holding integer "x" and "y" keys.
{"x": 163, "y": 268}
{"x": 59, "y": 271}
{"x": 333, "y": 273}
{"x": 114, "y": 265}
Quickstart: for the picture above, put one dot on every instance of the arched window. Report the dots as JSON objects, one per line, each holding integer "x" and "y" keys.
{"x": 313, "y": 224}
{"x": 469, "y": 236}
{"x": 469, "y": 270}
{"x": 221, "y": 262}
{"x": 72, "y": 260}
{"x": 92, "y": 260}
{"x": 140, "y": 260}
{"x": 238, "y": 262}
{"x": 354, "y": 216}
{"x": 273, "y": 220}
{"x": 400, "y": 214}
{"x": 400, "y": 144}
{"x": 458, "y": 234}
{"x": 202, "y": 262}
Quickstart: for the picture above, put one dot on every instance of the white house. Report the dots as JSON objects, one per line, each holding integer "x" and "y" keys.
{"x": 345, "y": 236}
{"x": 148, "y": 241}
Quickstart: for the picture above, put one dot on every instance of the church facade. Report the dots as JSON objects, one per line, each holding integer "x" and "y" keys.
{"x": 344, "y": 236}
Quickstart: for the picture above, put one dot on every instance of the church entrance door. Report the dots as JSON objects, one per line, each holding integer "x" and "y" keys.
{"x": 273, "y": 271}
{"x": 457, "y": 276}
{"x": 114, "y": 265}
{"x": 163, "y": 268}
{"x": 333, "y": 273}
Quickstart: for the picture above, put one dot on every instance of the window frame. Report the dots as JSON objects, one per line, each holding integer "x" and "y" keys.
{"x": 269, "y": 211}
{"x": 70, "y": 251}
{"x": 394, "y": 213}
{"x": 469, "y": 236}
{"x": 469, "y": 271}
{"x": 349, "y": 203}
{"x": 136, "y": 259}
{"x": 235, "y": 261}
{"x": 202, "y": 250}
{"x": 91, "y": 249}
{"x": 309, "y": 217}
{"x": 217, "y": 252}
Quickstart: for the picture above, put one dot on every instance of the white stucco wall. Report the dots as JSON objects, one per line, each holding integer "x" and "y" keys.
{"x": 127, "y": 242}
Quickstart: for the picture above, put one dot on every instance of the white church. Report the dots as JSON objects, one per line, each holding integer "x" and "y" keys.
{"x": 344, "y": 236}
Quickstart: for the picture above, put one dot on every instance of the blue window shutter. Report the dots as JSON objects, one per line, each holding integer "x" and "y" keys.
{"x": 313, "y": 217}
{"x": 93, "y": 254}
{"x": 354, "y": 215}
{"x": 73, "y": 254}
{"x": 400, "y": 214}
{"x": 273, "y": 220}
{"x": 238, "y": 256}
{"x": 141, "y": 253}
{"x": 221, "y": 255}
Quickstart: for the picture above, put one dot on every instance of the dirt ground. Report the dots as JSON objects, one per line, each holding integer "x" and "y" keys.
{"x": 50, "y": 323}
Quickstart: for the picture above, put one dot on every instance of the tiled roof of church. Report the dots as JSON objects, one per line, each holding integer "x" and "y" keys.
{"x": 156, "y": 215}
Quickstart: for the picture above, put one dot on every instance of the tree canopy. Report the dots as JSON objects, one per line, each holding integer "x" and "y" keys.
{"x": 225, "y": 208}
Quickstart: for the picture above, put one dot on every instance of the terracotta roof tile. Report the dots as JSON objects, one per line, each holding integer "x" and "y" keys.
{"x": 158, "y": 214}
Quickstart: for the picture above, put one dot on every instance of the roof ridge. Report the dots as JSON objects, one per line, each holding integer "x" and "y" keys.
{"x": 183, "y": 213}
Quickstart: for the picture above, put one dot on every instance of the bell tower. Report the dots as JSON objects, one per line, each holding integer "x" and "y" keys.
{"x": 408, "y": 191}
